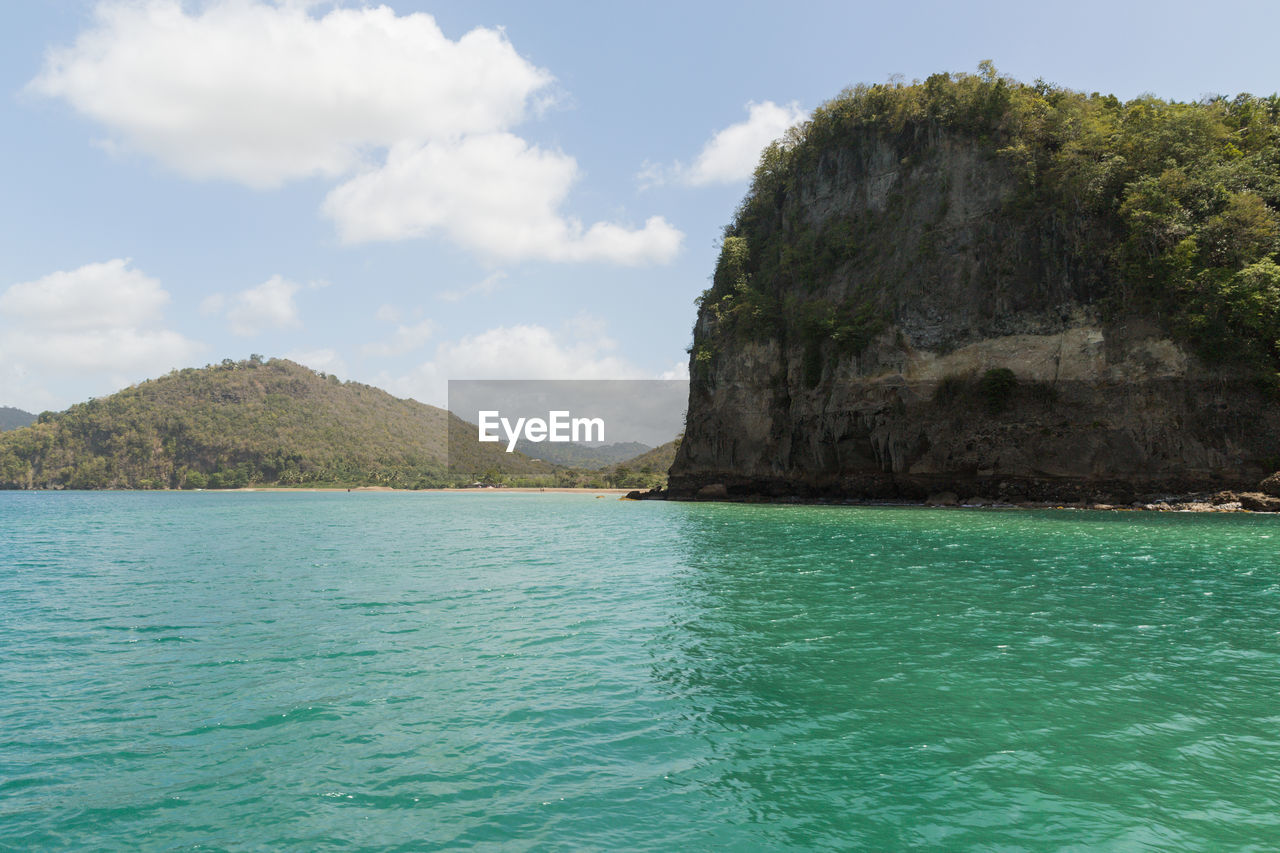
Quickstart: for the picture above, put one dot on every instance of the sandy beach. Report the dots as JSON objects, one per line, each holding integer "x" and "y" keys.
{"x": 479, "y": 491}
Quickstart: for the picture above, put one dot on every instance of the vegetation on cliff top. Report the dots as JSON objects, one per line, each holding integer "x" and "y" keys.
{"x": 1182, "y": 200}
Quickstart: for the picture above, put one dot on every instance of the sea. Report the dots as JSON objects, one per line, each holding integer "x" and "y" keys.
{"x": 422, "y": 671}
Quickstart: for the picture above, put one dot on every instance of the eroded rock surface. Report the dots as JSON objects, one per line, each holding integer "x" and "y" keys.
{"x": 1087, "y": 403}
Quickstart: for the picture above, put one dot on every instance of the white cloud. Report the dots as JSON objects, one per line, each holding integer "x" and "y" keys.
{"x": 404, "y": 340}
{"x": 732, "y": 154}
{"x": 533, "y": 352}
{"x": 261, "y": 93}
{"x": 526, "y": 351}
{"x": 492, "y": 193}
{"x": 121, "y": 350}
{"x": 655, "y": 174}
{"x": 95, "y": 296}
{"x": 679, "y": 370}
{"x": 85, "y": 331}
{"x": 418, "y": 124}
{"x": 270, "y": 305}
{"x": 325, "y": 360}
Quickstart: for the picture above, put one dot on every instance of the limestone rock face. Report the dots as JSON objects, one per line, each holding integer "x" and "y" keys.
{"x": 1271, "y": 485}
{"x": 968, "y": 285}
{"x": 713, "y": 491}
{"x": 1258, "y": 502}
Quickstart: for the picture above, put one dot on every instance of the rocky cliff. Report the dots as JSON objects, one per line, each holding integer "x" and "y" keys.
{"x": 976, "y": 286}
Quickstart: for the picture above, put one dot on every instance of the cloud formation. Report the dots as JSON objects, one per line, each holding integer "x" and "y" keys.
{"x": 270, "y": 305}
{"x": 96, "y": 296}
{"x": 525, "y": 351}
{"x": 731, "y": 154}
{"x": 533, "y": 352}
{"x": 261, "y": 94}
{"x": 416, "y": 126}
{"x": 405, "y": 339}
{"x": 492, "y": 193}
{"x": 100, "y": 325}
{"x": 323, "y": 359}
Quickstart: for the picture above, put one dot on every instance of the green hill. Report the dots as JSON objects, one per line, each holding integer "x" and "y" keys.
{"x": 646, "y": 471}
{"x": 580, "y": 455}
{"x": 11, "y": 418}
{"x": 243, "y": 423}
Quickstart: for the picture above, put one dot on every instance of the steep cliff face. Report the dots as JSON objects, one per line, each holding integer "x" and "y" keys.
{"x": 913, "y": 308}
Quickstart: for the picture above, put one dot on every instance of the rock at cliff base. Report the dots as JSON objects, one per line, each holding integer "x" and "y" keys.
{"x": 1258, "y": 502}
{"x": 713, "y": 492}
{"x": 1271, "y": 485}
{"x": 943, "y": 499}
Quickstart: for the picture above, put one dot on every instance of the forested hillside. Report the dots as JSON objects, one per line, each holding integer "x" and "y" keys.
{"x": 573, "y": 455}
{"x": 239, "y": 423}
{"x": 649, "y": 469}
{"x": 11, "y": 418}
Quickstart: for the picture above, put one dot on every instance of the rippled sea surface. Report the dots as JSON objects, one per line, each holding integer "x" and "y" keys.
{"x": 366, "y": 671}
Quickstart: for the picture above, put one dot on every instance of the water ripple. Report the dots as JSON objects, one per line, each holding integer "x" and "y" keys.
{"x": 528, "y": 672}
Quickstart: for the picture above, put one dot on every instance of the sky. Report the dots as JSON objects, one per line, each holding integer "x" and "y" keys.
{"x": 407, "y": 193}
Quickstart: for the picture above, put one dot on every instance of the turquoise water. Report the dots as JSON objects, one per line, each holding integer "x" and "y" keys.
{"x": 543, "y": 672}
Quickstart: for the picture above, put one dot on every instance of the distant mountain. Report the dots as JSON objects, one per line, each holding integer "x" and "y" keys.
{"x": 580, "y": 455}
{"x": 11, "y": 418}
{"x": 249, "y": 422}
{"x": 648, "y": 470}
{"x": 655, "y": 461}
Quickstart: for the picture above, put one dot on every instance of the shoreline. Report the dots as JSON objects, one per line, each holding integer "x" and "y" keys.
{"x": 1225, "y": 502}
{"x": 1255, "y": 503}
{"x": 492, "y": 490}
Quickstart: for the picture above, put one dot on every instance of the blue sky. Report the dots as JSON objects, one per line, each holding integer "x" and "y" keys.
{"x": 422, "y": 191}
